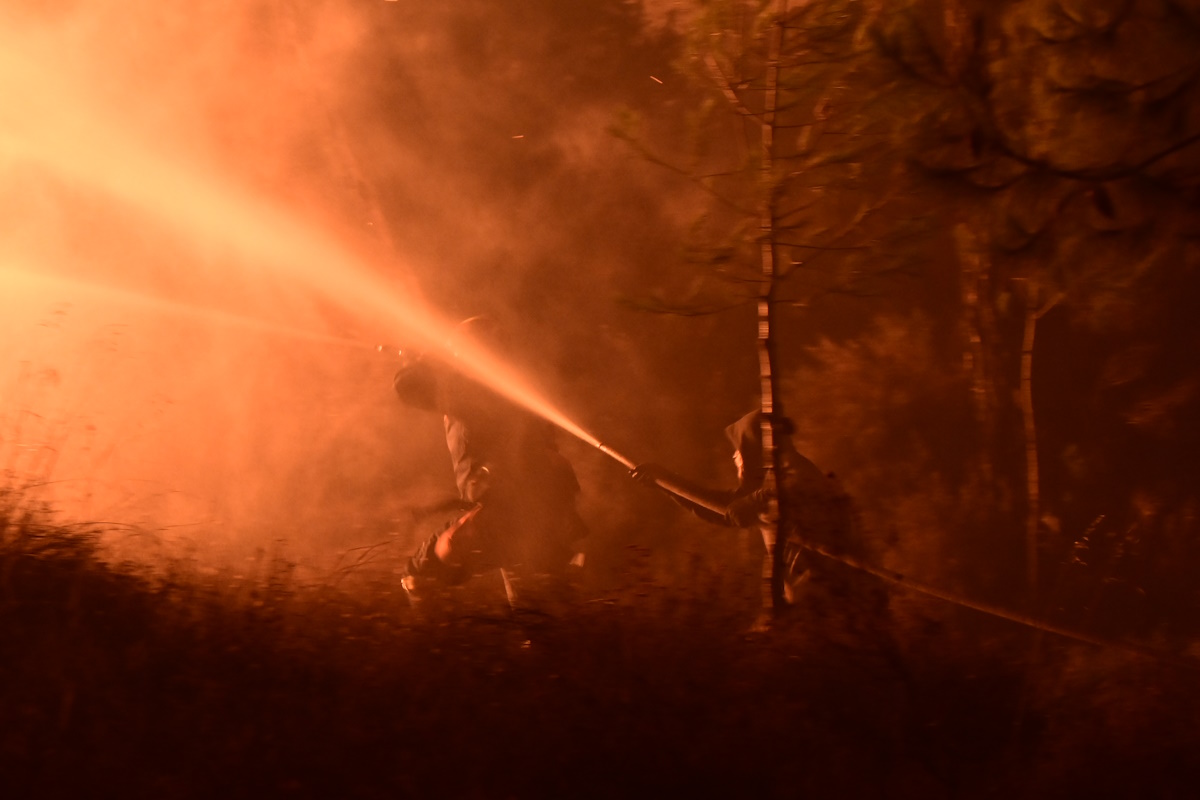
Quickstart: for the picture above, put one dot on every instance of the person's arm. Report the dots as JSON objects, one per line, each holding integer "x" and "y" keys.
{"x": 746, "y": 510}
{"x": 710, "y": 505}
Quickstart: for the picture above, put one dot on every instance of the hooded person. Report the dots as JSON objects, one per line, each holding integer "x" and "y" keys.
{"x": 818, "y": 510}
{"x": 518, "y": 491}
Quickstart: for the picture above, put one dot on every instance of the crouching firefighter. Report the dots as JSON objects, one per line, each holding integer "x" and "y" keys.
{"x": 818, "y": 513}
{"x": 518, "y": 492}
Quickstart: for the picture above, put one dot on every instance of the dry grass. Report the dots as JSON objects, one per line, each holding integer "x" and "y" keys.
{"x": 115, "y": 683}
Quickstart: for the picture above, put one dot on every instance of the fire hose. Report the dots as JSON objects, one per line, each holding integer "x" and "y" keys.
{"x": 903, "y": 581}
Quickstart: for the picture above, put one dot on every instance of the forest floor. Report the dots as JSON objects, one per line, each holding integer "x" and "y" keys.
{"x": 188, "y": 683}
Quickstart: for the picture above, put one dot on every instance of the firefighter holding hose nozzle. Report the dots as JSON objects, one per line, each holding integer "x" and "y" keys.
{"x": 517, "y": 491}
{"x": 818, "y": 512}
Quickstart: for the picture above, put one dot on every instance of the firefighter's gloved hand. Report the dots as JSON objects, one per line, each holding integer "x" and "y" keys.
{"x": 648, "y": 474}
{"x": 746, "y": 512}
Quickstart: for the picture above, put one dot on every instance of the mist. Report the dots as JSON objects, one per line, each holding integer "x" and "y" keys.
{"x": 221, "y": 207}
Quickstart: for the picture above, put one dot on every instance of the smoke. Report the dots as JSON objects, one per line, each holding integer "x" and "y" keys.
{"x": 208, "y": 211}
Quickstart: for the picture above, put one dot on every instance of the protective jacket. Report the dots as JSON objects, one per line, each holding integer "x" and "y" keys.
{"x": 816, "y": 509}
{"x": 508, "y": 468}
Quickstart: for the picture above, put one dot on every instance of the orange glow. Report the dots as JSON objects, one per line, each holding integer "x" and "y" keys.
{"x": 31, "y": 280}
{"x": 259, "y": 254}
{"x": 58, "y": 132}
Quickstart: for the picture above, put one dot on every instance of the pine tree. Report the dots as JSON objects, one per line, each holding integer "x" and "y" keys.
{"x": 1066, "y": 135}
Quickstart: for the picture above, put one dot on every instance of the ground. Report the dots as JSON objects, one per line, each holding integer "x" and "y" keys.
{"x": 115, "y": 682}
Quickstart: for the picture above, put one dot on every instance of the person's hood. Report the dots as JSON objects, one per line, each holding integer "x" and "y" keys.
{"x": 746, "y": 437}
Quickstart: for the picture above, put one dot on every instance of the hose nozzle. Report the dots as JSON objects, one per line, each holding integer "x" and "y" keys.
{"x": 613, "y": 454}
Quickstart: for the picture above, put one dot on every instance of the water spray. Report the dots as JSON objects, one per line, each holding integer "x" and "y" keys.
{"x": 613, "y": 454}
{"x": 578, "y": 432}
{"x": 22, "y": 276}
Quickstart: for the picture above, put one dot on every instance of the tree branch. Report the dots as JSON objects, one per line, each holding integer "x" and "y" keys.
{"x": 692, "y": 178}
{"x": 723, "y": 84}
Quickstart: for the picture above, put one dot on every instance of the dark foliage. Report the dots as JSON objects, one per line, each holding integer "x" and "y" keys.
{"x": 115, "y": 684}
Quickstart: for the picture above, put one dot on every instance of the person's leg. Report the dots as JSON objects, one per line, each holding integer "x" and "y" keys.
{"x": 446, "y": 556}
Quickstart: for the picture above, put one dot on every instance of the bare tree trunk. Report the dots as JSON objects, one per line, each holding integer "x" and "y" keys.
{"x": 980, "y": 332}
{"x": 1032, "y": 513}
{"x": 774, "y": 526}
{"x": 1033, "y": 312}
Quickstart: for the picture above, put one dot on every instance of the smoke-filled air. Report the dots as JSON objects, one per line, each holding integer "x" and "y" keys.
{"x": 203, "y": 285}
{"x": 606, "y": 399}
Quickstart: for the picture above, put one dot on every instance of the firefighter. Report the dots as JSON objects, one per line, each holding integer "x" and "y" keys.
{"x": 818, "y": 511}
{"x": 517, "y": 490}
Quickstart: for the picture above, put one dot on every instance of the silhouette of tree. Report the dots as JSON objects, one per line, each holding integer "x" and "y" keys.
{"x": 1066, "y": 135}
{"x": 790, "y": 123}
